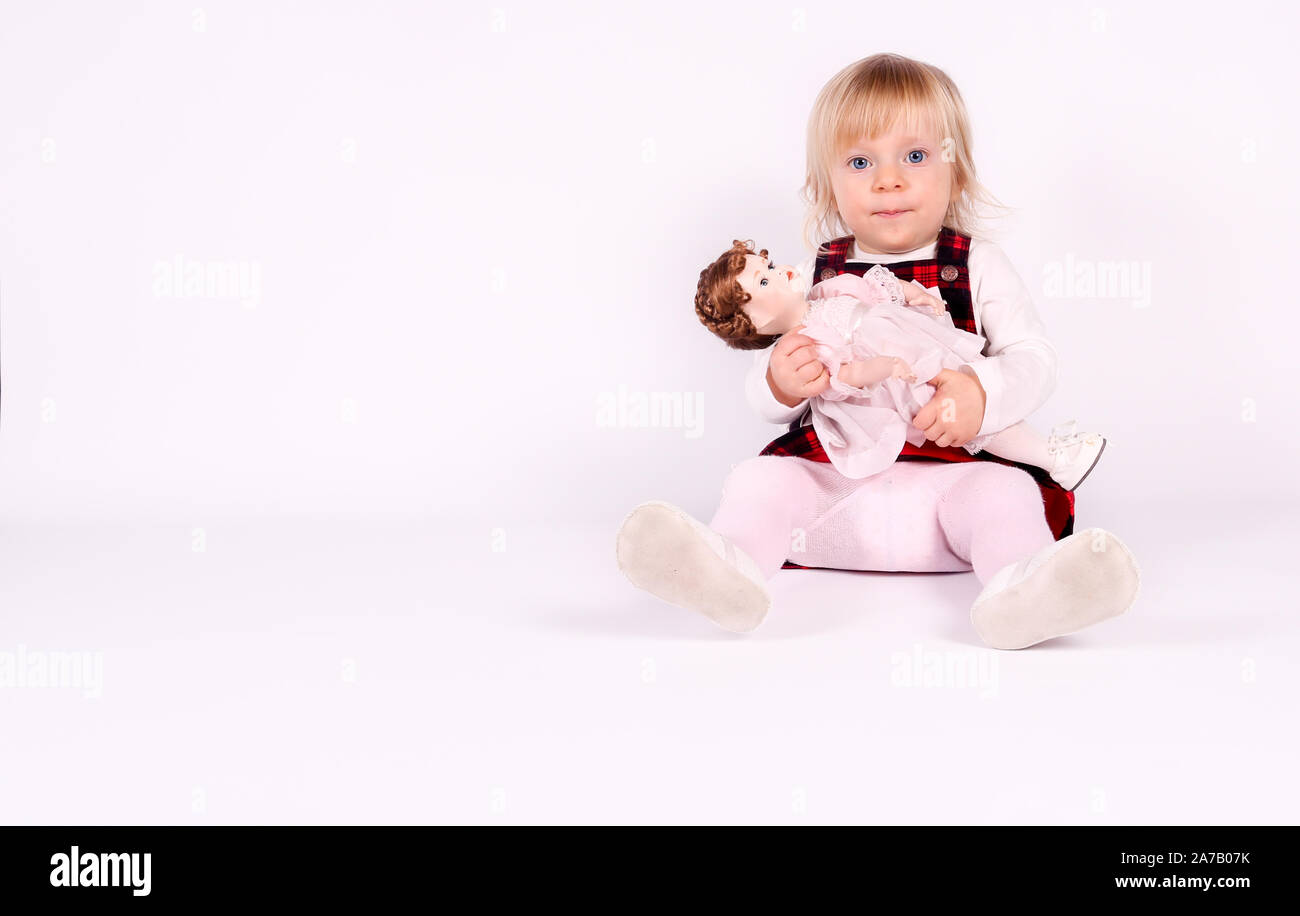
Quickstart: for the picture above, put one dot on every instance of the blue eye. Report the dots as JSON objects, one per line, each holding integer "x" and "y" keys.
{"x": 913, "y": 153}
{"x": 862, "y": 159}
{"x": 763, "y": 282}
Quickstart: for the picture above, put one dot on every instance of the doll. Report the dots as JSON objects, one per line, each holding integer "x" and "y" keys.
{"x": 880, "y": 341}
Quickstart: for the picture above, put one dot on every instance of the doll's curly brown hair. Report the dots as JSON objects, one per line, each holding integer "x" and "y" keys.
{"x": 719, "y": 300}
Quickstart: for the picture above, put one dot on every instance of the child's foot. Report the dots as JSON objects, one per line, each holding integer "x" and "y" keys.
{"x": 663, "y": 550}
{"x": 1074, "y": 454}
{"x": 1070, "y": 584}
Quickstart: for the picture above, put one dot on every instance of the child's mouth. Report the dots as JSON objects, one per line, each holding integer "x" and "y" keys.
{"x": 890, "y": 214}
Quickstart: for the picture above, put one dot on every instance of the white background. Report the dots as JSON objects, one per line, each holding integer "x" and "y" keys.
{"x": 345, "y": 551}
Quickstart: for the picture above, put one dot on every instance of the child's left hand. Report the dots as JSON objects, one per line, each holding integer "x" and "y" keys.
{"x": 954, "y": 415}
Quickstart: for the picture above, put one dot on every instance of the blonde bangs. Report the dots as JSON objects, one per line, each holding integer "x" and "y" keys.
{"x": 876, "y": 111}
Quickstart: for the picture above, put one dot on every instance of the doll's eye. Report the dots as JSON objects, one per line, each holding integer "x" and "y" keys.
{"x": 913, "y": 153}
{"x": 856, "y": 159}
{"x": 763, "y": 282}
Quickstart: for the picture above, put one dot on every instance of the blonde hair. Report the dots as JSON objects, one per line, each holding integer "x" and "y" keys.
{"x": 867, "y": 99}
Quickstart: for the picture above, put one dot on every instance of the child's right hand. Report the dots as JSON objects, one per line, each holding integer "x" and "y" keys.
{"x": 794, "y": 372}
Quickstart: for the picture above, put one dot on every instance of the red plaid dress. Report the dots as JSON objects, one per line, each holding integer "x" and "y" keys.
{"x": 948, "y": 271}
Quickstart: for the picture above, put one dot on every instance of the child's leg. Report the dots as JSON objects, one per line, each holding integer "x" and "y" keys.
{"x": 1035, "y": 587}
{"x": 764, "y": 500}
{"x": 992, "y": 516}
{"x": 721, "y": 570}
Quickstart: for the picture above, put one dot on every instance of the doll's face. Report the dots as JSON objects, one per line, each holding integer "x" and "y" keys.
{"x": 777, "y": 295}
{"x": 902, "y": 170}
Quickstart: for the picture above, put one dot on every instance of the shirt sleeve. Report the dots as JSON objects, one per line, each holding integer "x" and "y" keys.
{"x": 1019, "y": 372}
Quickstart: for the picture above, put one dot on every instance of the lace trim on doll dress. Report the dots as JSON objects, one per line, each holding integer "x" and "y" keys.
{"x": 845, "y": 313}
{"x": 887, "y": 285}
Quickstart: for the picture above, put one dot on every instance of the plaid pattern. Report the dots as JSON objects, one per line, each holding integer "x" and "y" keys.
{"x": 951, "y": 253}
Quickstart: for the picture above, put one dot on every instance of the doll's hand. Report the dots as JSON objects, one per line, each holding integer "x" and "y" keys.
{"x": 917, "y": 296}
{"x": 867, "y": 373}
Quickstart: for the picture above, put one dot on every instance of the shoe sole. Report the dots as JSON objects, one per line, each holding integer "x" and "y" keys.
{"x": 1101, "y": 451}
{"x": 1073, "y": 589}
{"x": 660, "y": 551}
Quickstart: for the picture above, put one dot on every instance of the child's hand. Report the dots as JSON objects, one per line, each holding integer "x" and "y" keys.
{"x": 794, "y": 372}
{"x": 955, "y": 413}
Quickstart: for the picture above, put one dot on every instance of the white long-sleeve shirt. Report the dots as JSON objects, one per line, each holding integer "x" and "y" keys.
{"x": 1020, "y": 371}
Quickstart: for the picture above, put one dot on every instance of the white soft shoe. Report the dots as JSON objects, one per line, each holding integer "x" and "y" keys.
{"x": 1074, "y": 454}
{"x": 1070, "y": 584}
{"x": 663, "y": 550}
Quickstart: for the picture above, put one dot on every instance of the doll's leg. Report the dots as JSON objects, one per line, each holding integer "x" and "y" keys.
{"x": 992, "y": 515}
{"x": 1076, "y": 455}
{"x": 1019, "y": 442}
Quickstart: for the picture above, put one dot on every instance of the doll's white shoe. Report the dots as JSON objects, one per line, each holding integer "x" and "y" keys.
{"x": 668, "y": 553}
{"x": 1074, "y": 454}
{"x": 1070, "y": 584}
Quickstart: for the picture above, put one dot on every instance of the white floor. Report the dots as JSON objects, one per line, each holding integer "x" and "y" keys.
{"x": 338, "y": 671}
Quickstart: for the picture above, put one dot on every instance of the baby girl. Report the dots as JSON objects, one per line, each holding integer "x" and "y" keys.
{"x": 881, "y": 341}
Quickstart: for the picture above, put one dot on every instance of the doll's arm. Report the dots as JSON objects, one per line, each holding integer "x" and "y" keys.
{"x": 917, "y": 296}
{"x": 864, "y": 373}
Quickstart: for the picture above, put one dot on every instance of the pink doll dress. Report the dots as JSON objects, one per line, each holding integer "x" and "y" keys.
{"x": 852, "y": 318}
